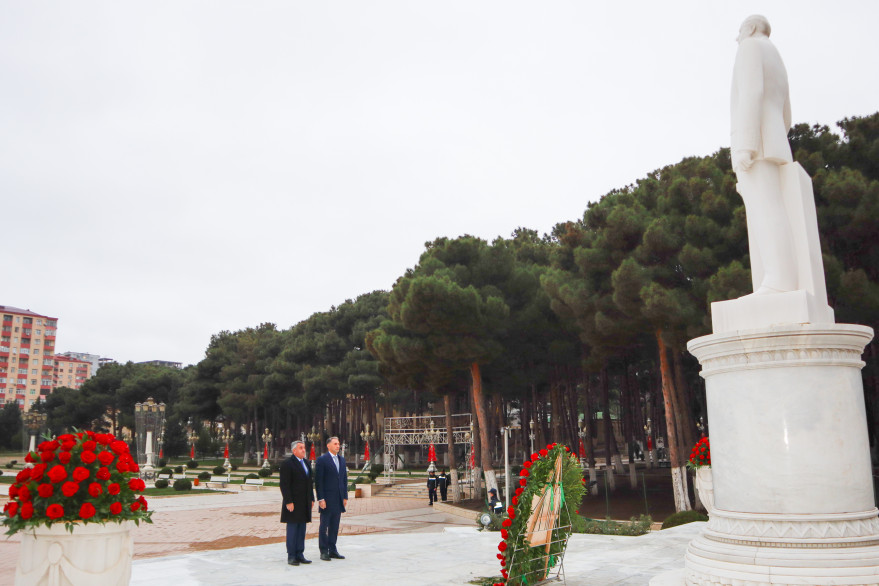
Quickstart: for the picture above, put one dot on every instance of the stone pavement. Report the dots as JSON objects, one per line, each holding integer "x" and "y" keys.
{"x": 237, "y": 538}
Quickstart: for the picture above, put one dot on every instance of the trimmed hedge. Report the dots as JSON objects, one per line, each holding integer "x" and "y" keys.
{"x": 192, "y": 464}
{"x": 683, "y": 518}
{"x": 183, "y": 484}
{"x": 161, "y": 483}
{"x": 204, "y": 475}
{"x": 265, "y": 472}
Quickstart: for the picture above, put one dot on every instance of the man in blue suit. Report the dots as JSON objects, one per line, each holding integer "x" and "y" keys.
{"x": 331, "y": 478}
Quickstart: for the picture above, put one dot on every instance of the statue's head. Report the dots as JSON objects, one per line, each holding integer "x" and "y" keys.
{"x": 754, "y": 25}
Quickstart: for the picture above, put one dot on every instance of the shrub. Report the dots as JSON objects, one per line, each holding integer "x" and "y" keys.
{"x": 162, "y": 462}
{"x": 360, "y": 480}
{"x": 265, "y": 472}
{"x": 251, "y": 475}
{"x": 1, "y": 472}
{"x": 375, "y": 470}
{"x": 204, "y": 475}
{"x": 166, "y": 470}
{"x": 182, "y": 484}
{"x": 161, "y": 483}
{"x": 219, "y": 470}
{"x": 635, "y": 526}
{"x": 178, "y": 469}
{"x": 275, "y": 467}
{"x": 683, "y": 518}
{"x": 192, "y": 464}
{"x": 234, "y": 466}
{"x": 11, "y": 465}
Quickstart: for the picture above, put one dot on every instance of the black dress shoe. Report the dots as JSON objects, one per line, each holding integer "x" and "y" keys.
{"x": 292, "y": 562}
{"x": 325, "y": 557}
{"x": 301, "y": 559}
{"x": 336, "y": 555}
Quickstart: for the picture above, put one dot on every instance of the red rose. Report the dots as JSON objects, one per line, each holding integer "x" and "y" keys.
{"x": 45, "y": 490}
{"x": 534, "y": 457}
{"x": 80, "y": 473}
{"x": 523, "y": 481}
{"x": 524, "y": 473}
{"x": 48, "y": 446}
{"x": 57, "y": 473}
{"x": 519, "y": 491}
{"x": 543, "y": 453}
{"x": 11, "y": 508}
{"x": 506, "y": 523}
{"x": 105, "y": 458}
{"x": 23, "y": 475}
{"x": 133, "y": 467}
{"x": 47, "y": 456}
{"x": 54, "y": 511}
{"x": 527, "y": 463}
{"x": 143, "y": 502}
{"x": 115, "y": 508}
{"x": 122, "y": 467}
{"x": 86, "y": 511}
{"x": 90, "y": 433}
{"x": 88, "y": 457}
{"x": 64, "y": 457}
{"x": 135, "y": 506}
{"x": 113, "y": 489}
{"x": 89, "y": 446}
{"x": 37, "y": 472}
{"x": 27, "y": 510}
{"x": 68, "y": 445}
{"x": 505, "y": 533}
{"x": 502, "y": 546}
{"x": 504, "y": 573}
{"x": 511, "y": 512}
{"x": 136, "y": 484}
{"x": 515, "y": 500}
{"x": 567, "y": 449}
{"x": 69, "y": 489}
{"x": 65, "y": 437}
{"x": 95, "y": 489}
{"x": 13, "y": 491}
{"x": 500, "y": 556}
{"x": 103, "y": 473}
{"x": 119, "y": 447}
{"x": 104, "y": 438}
{"x": 24, "y": 493}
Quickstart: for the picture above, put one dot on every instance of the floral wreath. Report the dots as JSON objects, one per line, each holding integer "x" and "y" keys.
{"x": 520, "y": 562}
{"x": 700, "y": 456}
{"x": 87, "y": 477}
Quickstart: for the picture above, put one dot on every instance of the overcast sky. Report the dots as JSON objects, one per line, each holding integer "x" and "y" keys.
{"x": 172, "y": 169}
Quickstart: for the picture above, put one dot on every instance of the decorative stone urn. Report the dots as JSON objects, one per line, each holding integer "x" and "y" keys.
{"x": 94, "y": 554}
{"x": 705, "y": 487}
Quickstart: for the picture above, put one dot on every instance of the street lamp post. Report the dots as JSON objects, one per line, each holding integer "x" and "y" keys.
{"x": 149, "y": 421}
{"x": 506, "y": 432}
{"x": 227, "y": 435}
{"x": 582, "y": 435}
{"x": 531, "y": 435}
{"x": 703, "y": 429}
{"x": 431, "y": 450}
{"x": 367, "y": 436}
{"x": 267, "y": 439}
{"x": 193, "y": 437}
{"x": 33, "y": 421}
{"x": 651, "y": 452}
{"x": 314, "y": 436}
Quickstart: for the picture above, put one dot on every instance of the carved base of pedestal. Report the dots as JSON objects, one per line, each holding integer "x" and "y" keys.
{"x": 746, "y": 549}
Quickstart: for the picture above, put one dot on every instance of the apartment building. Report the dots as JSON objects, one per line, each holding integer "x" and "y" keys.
{"x": 27, "y": 361}
{"x": 92, "y": 359}
{"x": 70, "y": 372}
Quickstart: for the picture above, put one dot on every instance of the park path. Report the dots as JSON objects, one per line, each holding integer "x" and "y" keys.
{"x": 207, "y": 522}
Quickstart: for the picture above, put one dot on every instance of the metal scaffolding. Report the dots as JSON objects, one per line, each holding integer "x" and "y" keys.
{"x": 417, "y": 431}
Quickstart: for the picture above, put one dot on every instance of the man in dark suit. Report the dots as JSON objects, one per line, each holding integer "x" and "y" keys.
{"x": 296, "y": 489}
{"x": 331, "y": 478}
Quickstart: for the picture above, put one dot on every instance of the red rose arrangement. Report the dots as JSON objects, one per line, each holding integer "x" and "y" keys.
{"x": 521, "y": 564}
{"x": 701, "y": 454}
{"x": 85, "y": 477}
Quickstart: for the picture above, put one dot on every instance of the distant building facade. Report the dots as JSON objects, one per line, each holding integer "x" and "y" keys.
{"x": 27, "y": 355}
{"x": 92, "y": 359}
{"x": 166, "y": 363}
{"x": 70, "y": 372}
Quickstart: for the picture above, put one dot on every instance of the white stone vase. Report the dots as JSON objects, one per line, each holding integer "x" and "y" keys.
{"x": 92, "y": 554}
{"x": 705, "y": 487}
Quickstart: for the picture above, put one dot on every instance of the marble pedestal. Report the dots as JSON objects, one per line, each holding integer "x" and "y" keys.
{"x": 793, "y": 490}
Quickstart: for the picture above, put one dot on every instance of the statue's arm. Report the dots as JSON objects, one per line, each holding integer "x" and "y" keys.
{"x": 748, "y": 110}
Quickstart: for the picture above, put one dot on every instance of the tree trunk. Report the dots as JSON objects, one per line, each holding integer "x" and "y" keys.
{"x": 453, "y": 466}
{"x": 482, "y": 417}
{"x": 678, "y": 472}
{"x": 609, "y": 440}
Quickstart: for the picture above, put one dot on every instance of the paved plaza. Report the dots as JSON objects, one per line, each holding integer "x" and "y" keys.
{"x": 237, "y": 538}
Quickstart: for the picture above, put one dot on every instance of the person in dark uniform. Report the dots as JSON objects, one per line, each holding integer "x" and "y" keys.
{"x": 296, "y": 490}
{"x": 494, "y": 503}
{"x": 442, "y": 482}
{"x": 431, "y": 487}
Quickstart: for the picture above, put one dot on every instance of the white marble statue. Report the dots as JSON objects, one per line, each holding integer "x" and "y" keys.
{"x": 786, "y": 267}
